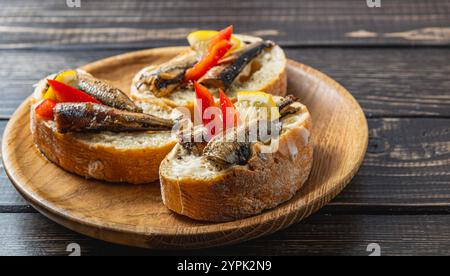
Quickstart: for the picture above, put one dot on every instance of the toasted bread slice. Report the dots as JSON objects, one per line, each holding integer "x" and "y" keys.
{"x": 271, "y": 78}
{"x": 193, "y": 186}
{"x": 130, "y": 157}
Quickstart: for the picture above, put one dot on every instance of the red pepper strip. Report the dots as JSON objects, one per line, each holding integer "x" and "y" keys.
{"x": 67, "y": 94}
{"x": 206, "y": 100}
{"x": 229, "y": 113}
{"x": 45, "y": 109}
{"x": 225, "y": 34}
{"x": 209, "y": 61}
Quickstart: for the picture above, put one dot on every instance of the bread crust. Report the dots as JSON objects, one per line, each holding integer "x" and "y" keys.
{"x": 242, "y": 191}
{"x": 107, "y": 163}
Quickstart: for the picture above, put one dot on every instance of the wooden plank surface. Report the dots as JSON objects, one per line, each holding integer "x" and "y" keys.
{"x": 407, "y": 164}
{"x": 386, "y": 82}
{"x": 402, "y": 192}
{"x": 140, "y": 23}
{"x": 322, "y": 234}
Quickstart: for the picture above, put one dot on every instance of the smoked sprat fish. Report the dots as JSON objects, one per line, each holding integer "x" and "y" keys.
{"x": 82, "y": 117}
{"x": 222, "y": 76}
{"x": 235, "y": 147}
{"x": 105, "y": 93}
{"x": 225, "y": 151}
{"x": 168, "y": 76}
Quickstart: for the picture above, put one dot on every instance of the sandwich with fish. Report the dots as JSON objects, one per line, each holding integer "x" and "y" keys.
{"x": 217, "y": 60}
{"x": 233, "y": 166}
{"x": 90, "y": 128}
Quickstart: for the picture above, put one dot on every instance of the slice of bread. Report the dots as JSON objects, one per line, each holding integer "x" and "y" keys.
{"x": 130, "y": 157}
{"x": 271, "y": 78}
{"x": 192, "y": 185}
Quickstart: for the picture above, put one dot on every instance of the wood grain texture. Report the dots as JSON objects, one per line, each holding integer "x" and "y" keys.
{"x": 407, "y": 164}
{"x": 389, "y": 82}
{"x": 140, "y": 23}
{"x": 322, "y": 234}
{"x": 386, "y": 82}
{"x": 135, "y": 215}
{"x": 9, "y": 198}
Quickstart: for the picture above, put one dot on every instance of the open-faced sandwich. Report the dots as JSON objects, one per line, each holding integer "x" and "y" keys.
{"x": 216, "y": 60}
{"x": 90, "y": 128}
{"x": 262, "y": 158}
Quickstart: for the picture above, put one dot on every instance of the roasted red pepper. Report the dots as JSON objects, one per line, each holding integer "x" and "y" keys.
{"x": 229, "y": 113}
{"x": 218, "y": 48}
{"x": 211, "y": 59}
{"x": 67, "y": 94}
{"x": 45, "y": 109}
{"x": 225, "y": 34}
{"x": 206, "y": 100}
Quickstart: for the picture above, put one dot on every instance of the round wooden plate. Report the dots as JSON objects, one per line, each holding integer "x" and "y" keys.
{"x": 136, "y": 216}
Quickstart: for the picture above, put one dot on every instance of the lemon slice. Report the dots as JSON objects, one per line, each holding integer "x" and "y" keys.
{"x": 199, "y": 40}
{"x": 256, "y": 105}
{"x": 68, "y": 77}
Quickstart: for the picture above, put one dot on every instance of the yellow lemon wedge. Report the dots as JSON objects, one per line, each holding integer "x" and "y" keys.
{"x": 68, "y": 77}
{"x": 199, "y": 40}
{"x": 257, "y": 105}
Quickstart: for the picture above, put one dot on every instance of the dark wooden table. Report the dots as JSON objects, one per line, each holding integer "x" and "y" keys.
{"x": 394, "y": 59}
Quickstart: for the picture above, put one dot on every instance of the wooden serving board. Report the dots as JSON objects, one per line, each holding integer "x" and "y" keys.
{"x": 136, "y": 216}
